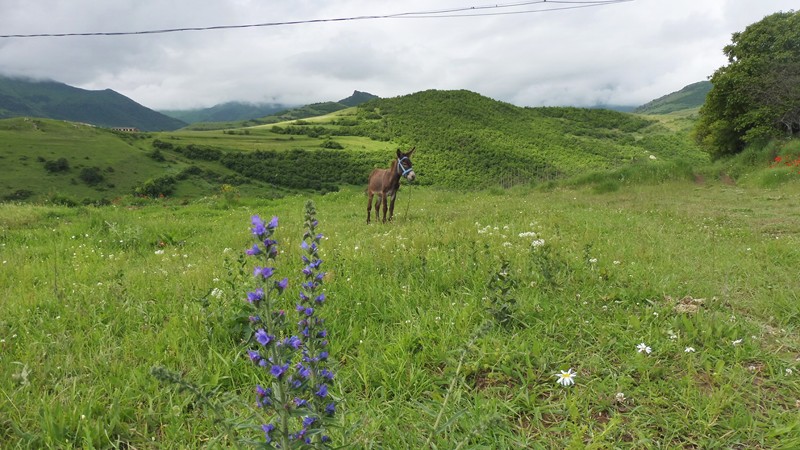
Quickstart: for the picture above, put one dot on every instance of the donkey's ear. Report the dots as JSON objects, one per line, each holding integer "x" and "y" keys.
{"x": 411, "y": 151}
{"x": 399, "y": 153}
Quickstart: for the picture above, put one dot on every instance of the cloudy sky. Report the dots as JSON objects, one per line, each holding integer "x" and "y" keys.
{"x": 626, "y": 53}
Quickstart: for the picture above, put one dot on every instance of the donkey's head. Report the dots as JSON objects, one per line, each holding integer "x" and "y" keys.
{"x": 404, "y": 165}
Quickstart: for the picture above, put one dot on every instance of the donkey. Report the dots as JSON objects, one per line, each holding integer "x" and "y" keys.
{"x": 385, "y": 182}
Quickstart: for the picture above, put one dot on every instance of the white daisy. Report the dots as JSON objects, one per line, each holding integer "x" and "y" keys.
{"x": 643, "y": 348}
{"x": 566, "y": 378}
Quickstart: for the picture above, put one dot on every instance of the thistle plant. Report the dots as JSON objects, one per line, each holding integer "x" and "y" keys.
{"x": 294, "y": 397}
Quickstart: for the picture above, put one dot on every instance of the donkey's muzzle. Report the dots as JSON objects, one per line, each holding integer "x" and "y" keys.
{"x": 411, "y": 176}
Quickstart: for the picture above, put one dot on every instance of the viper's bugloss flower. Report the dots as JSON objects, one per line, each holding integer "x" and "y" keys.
{"x": 278, "y": 370}
{"x": 255, "y": 296}
{"x": 282, "y": 285}
{"x": 263, "y": 272}
{"x": 303, "y": 371}
{"x": 308, "y": 421}
{"x": 295, "y": 362}
{"x": 293, "y": 342}
{"x": 263, "y": 338}
{"x": 268, "y": 428}
{"x": 258, "y": 226}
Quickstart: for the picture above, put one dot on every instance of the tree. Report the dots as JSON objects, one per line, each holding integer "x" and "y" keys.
{"x": 757, "y": 95}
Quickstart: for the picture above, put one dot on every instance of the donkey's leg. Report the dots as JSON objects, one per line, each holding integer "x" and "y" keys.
{"x": 369, "y": 206}
{"x": 391, "y": 206}
{"x": 385, "y": 206}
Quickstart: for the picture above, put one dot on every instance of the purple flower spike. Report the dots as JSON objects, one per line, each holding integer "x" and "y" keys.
{"x": 322, "y": 392}
{"x": 273, "y": 223}
{"x": 320, "y": 298}
{"x": 330, "y": 409}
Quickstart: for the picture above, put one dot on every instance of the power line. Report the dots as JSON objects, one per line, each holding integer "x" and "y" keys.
{"x": 471, "y": 11}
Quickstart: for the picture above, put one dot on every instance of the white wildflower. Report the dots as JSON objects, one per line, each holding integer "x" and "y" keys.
{"x": 737, "y": 342}
{"x": 688, "y": 350}
{"x": 643, "y": 348}
{"x": 566, "y": 378}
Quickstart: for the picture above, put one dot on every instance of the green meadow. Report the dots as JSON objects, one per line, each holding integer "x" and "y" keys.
{"x": 675, "y": 304}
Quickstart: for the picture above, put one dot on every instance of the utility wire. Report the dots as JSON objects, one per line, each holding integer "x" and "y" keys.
{"x": 471, "y": 11}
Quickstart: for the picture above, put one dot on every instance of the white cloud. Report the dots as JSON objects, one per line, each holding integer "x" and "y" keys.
{"x": 627, "y": 53}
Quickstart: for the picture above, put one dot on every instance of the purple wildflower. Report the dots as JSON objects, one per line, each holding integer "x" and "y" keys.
{"x": 254, "y": 356}
{"x": 263, "y": 338}
{"x": 322, "y": 392}
{"x": 255, "y": 296}
{"x": 254, "y": 250}
{"x": 273, "y": 223}
{"x": 281, "y": 285}
{"x": 330, "y": 409}
{"x": 278, "y": 370}
{"x": 320, "y": 298}
{"x": 263, "y": 272}
{"x": 325, "y": 373}
{"x": 299, "y": 402}
{"x": 268, "y": 428}
{"x": 258, "y": 226}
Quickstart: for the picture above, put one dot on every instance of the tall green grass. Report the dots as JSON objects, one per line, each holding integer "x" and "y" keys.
{"x": 93, "y": 298}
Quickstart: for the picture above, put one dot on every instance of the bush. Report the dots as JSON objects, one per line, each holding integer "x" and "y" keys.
{"x": 56, "y": 166}
{"x": 330, "y": 143}
{"x": 91, "y": 175}
{"x": 156, "y": 187}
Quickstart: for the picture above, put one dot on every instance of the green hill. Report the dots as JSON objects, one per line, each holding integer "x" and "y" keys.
{"x": 53, "y": 100}
{"x": 463, "y": 140}
{"x": 691, "y": 96}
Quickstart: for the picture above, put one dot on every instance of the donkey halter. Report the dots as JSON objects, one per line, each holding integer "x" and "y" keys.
{"x": 400, "y": 167}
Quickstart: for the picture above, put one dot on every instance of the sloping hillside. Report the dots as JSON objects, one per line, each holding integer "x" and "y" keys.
{"x": 691, "y": 96}
{"x": 465, "y": 139}
{"x": 53, "y": 100}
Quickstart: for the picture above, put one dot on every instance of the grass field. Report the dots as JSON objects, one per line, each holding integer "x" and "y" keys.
{"x": 704, "y": 275}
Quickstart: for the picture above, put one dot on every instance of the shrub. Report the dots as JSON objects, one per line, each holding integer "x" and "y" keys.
{"x": 57, "y": 165}
{"x": 91, "y": 175}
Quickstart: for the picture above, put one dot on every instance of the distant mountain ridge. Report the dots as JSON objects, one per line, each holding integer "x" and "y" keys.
{"x": 242, "y": 111}
{"x": 691, "y": 96}
{"x": 21, "y": 97}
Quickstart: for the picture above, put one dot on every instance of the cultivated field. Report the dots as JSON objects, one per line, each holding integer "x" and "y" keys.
{"x": 676, "y": 305}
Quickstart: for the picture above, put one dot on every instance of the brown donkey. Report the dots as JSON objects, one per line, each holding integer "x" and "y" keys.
{"x": 385, "y": 182}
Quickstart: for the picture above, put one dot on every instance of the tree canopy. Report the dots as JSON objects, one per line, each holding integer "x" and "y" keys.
{"x": 757, "y": 95}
